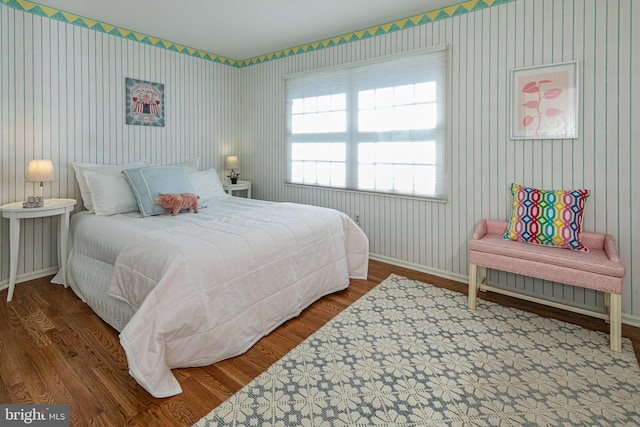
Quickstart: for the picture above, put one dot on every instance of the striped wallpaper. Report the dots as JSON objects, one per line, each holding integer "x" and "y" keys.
{"x": 485, "y": 46}
{"x": 61, "y": 97}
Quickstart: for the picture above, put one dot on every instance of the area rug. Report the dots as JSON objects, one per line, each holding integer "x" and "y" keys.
{"x": 412, "y": 354}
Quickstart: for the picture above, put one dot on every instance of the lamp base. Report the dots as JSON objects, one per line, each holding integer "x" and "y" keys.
{"x": 33, "y": 202}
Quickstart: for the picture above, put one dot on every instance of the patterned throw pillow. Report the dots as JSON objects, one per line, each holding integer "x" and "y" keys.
{"x": 547, "y": 217}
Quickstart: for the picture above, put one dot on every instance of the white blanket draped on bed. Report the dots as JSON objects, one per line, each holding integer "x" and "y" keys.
{"x": 208, "y": 291}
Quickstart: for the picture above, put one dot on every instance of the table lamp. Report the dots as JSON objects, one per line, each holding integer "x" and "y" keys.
{"x": 40, "y": 171}
{"x": 232, "y": 162}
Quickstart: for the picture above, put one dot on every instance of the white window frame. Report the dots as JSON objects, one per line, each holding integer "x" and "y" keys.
{"x": 352, "y": 136}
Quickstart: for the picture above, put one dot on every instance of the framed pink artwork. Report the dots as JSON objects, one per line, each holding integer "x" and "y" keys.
{"x": 544, "y": 102}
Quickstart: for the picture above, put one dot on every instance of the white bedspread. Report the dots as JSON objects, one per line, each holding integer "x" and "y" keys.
{"x": 208, "y": 291}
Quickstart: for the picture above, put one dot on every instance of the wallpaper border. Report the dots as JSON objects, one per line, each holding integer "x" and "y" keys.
{"x": 390, "y": 27}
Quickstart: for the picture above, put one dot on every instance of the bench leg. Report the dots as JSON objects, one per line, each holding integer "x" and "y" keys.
{"x": 473, "y": 277}
{"x": 615, "y": 319}
{"x": 482, "y": 274}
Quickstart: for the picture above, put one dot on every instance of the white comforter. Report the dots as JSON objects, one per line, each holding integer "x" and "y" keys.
{"x": 208, "y": 291}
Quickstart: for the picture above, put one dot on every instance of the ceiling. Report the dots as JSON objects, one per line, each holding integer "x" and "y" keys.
{"x": 243, "y": 29}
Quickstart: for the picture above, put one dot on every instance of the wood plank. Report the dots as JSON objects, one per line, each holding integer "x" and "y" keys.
{"x": 54, "y": 349}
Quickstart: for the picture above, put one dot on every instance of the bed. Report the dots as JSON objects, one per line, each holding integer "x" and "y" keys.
{"x": 193, "y": 289}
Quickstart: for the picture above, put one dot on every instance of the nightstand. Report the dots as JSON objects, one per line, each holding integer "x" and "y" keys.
{"x": 52, "y": 207}
{"x": 240, "y": 185}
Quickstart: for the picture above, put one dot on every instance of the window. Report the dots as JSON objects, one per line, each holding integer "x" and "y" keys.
{"x": 374, "y": 126}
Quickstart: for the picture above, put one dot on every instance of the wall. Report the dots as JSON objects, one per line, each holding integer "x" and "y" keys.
{"x": 485, "y": 45}
{"x": 62, "y": 98}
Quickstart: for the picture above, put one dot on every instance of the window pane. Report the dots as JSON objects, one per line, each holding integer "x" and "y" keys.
{"x": 318, "y": 151}
{"x": 338, "y": 150}
{"x": 319, "y": 173}
{"x": 403, "y": 94}
{"x": 422, "y": 116}
{"x": 384, "y": 97}
{"x": 300, "y": 151}
{"x": 314, "y": 104}
{"x": 403, "y": 178}
{"x": 324, "y": 103}
{"x": 424, "y": 179}
{"x": 297, "y": 106}
{"x": 335, "y": 121}
{"x": 309, "y": 172}
{"x": 310, "y": 104}
{"x": 391, "y": 140}
{"x": 338, "y": 174}
{"x": 424, "y": 152}
{"x": 297, "y": 171}
{"x": 323, "y": 173}
{"x": 404, "y": 167}
{"x": 339, "y": 101}
{"x": 366, "y": 99}
{"x": 366, "y": 177}
{"x": 321, "y": 163}
{"x": 425, "y": 92}
{"x": 410, "y": 117}
{"x": 367, "y": 121}
{"x": 384, "y": 177}
{"x": 404, "y": 107}
{"x": 406, "y": 179}
{"x": 319, "y": 114}
{"x": 420, "y": 152}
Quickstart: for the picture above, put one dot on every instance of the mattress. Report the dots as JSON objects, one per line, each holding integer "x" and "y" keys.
{"x": 193, "y": 289}
{"x": 95, "y": 242}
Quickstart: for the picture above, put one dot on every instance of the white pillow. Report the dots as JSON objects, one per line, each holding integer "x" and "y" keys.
{"x": 110, "y": 194}
{"x": 113, "y": 170}
{"x": 207, "y": 185}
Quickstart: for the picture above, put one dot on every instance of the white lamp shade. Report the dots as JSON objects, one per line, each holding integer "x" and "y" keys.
{"x": 40, "y": 170}
{"x": 231, "y": 162}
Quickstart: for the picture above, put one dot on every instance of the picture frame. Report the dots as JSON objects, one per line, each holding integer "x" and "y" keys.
{"x": 544, "y": 102}
{"x": 144, "y": 103}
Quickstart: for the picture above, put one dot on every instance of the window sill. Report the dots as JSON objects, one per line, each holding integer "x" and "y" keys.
{"x": 434, "y": 199}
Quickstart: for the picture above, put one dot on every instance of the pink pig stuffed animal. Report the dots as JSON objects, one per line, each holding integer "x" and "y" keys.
{"x": 174, "y": 203}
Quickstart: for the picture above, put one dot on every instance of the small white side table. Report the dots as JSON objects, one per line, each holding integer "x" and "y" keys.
{"x": 52, "y": 207}
{"x": 240, "y": 185}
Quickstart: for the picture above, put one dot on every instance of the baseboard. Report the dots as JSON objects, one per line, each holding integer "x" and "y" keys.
{"x": 627, "y": 319}
{"x": 631, "y": 320}
{"x": 421, "y": 268}
{"x": 32, "y": 275}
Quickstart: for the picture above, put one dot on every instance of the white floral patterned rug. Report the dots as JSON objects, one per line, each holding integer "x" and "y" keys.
{"x": 411, "y": 354}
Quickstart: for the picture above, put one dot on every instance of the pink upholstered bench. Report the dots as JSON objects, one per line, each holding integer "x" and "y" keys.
{"x": 599, "y": 269}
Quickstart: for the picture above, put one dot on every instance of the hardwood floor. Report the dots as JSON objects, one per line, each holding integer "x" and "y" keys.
{"x": 54, "y": 349}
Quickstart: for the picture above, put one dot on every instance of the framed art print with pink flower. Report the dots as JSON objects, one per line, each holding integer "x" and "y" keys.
{"x": 544, "y": 102}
